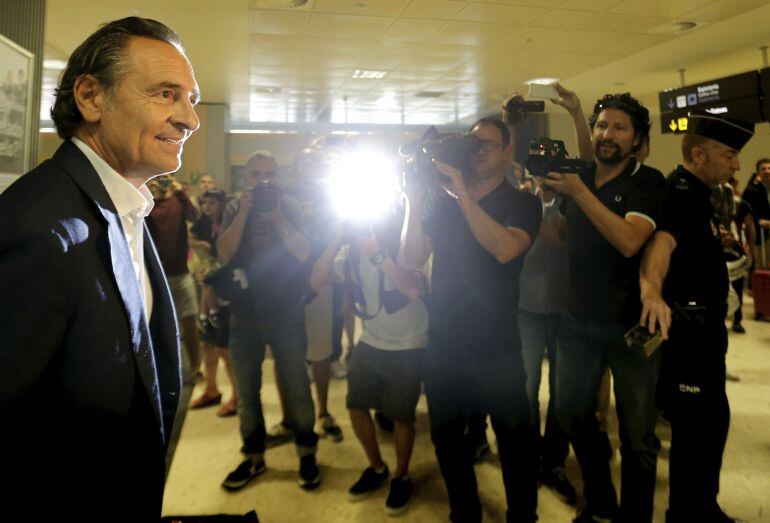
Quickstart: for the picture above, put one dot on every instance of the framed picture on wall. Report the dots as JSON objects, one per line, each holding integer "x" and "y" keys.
{"x": 16, "y": 71}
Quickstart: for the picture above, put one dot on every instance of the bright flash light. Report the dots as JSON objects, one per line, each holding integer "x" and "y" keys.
{"x": 363, "y": 187}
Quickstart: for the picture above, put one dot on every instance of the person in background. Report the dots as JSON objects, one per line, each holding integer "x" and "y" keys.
{"x": 167, "y": 223}
{"x": 684, "y": 269}
{"x": 214, "y": 315}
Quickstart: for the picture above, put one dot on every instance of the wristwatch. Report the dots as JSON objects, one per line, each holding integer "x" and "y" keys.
{"x": 378, "y": 258}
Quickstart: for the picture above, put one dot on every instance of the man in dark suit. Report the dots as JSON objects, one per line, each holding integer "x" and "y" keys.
{"x": 89, "y": 358}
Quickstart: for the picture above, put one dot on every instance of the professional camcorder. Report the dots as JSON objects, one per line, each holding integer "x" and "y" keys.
{"x": 516, "y": 108}
{"x": 546, "y": 155}
{"x": 452, "y": 149}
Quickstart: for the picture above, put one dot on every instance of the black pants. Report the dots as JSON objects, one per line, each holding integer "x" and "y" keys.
{"x": 738, "y": 286}
{"x": 700, "y": 417}
{"x": 460, "y": 383}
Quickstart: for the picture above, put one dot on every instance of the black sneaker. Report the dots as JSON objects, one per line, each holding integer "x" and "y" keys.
{"x": 309, "y": 475}
{"x": 330, "y": 428}
{"x": 369, "y": 481}
{"x": 737, "y": 327}
{"x": 399, "y": 497}
{"x": 557, "y": 481}
{"x": 244, "y": 473}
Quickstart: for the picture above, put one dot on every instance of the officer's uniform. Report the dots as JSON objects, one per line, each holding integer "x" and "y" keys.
{"x": 694, "y": 356}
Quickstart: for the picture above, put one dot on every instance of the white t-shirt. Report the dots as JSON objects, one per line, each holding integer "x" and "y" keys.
{"x": 407, "y": 328}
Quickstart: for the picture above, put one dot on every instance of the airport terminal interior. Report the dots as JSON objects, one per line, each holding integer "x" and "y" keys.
{"x": 276, "y": 74}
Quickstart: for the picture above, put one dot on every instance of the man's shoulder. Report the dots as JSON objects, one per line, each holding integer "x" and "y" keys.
{"x": 43, "y": 193}
{"x": 648, "y": 174}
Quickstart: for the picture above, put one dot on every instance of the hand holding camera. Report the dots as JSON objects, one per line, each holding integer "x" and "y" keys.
{"x": 565, "y": 183}
{"x": 452, "y": 182}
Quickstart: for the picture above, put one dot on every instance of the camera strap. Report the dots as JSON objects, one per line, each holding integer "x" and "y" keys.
{"x": 353, "y": 259}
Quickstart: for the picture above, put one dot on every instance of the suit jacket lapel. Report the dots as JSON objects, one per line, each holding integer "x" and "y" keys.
{"x": 165, "y": 334}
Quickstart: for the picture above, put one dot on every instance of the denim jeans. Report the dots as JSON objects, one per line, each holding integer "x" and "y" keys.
{"x": 585, "y": 351}
{"x": 288, "y": 342}
{"x": 461, "y": 383}
{"x": 539, "y": 337}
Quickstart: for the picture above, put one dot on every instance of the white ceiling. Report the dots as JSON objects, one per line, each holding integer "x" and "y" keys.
{"x": 285, "y": 66}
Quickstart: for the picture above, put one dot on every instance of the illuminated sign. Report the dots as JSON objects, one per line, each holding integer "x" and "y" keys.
{"x": 738, "y": 96}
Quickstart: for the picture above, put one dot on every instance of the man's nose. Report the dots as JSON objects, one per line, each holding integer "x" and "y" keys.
{"x": 185, "y": 117}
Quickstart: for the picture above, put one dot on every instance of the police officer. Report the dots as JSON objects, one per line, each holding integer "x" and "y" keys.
{"x": 684, "y": 269}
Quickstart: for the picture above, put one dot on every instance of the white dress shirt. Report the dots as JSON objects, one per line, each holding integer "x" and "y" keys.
{"x": 133, "y": 206}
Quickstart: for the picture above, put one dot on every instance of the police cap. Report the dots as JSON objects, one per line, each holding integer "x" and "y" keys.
{"x": 728, "y": 131}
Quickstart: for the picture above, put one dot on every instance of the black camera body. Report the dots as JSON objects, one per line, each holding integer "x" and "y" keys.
{"x": 517, "y": 108}
{"x": 456, "y": 150}
{"x": 265, "y": 197}
{"x": 546, "y": 155}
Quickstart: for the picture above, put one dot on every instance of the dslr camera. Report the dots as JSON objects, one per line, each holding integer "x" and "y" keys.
{"x": 265, "y": 197}
{"x": 546, "y": 155}
{"x": 452, "y": 149}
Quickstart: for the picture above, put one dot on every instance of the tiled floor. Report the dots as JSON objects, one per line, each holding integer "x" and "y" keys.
{"x": 208, "y": 450}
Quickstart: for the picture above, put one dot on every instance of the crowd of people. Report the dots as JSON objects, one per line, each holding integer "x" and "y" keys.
{"x": 471, "y": 279}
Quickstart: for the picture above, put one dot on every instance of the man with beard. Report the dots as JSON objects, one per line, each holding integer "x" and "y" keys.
{"x": 611, "y": 211}
{"x": 684, "y": 264}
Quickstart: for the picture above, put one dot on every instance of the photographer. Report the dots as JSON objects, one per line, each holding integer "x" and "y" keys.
{"x": 262, "y": 237}
{"x": 684, "y": 264}
{"x": 611, "y": 211}
{"x": 478, "y": 229}
{"x": 386, "y": 368}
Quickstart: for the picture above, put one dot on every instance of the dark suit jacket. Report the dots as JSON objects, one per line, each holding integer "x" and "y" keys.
{"x": 88, "y": 392}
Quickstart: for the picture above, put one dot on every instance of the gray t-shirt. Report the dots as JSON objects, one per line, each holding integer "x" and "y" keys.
{"x": 406, "y": 328}
{"x": 544, "y": 280}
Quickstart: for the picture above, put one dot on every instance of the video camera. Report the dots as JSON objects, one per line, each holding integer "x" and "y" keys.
{"x": 452, "y": 149}
{"x": 516, "y": 108}
{"x": 546, "y": 155}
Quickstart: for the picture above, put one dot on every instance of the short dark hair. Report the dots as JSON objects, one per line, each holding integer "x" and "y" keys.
{"x": 640, "y": 116}
{"x": 505, "y": 134}
{"x": 102, "y": 56}
{"x": 690, "y": 142}
{"x": 760, "y": 162}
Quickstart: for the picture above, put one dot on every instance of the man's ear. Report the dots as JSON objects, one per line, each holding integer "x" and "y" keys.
{"x": 90, "y": 98}
{"x": 699, "y": 155}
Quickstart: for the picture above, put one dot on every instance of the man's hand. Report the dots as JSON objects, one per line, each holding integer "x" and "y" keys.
{"x": 567, "y": 183}
{"x": 765, "y": 224}
{"x": 655, "y": 312}
{"x": 276, "y": 217}
{"x": 455, "y": 185}
{"x": 245, "y": 201}
{"x": 567, "y": 99}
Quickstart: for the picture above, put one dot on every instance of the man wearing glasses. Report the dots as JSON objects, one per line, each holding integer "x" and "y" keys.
{"x": 263, "y": 236}
{"x": 478, "y": 229}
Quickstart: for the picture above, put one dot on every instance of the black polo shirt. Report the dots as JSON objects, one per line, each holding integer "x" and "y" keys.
{"x": 604, "y": 284}
{"x": 697, "y": 272}
{"x": 474, "y": 298}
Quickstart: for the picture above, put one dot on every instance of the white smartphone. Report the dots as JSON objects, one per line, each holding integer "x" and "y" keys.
{"x": 543, "y": 91}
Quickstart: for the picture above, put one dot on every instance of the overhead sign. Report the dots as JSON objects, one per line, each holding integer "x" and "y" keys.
{"x": 739, "y": 96}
